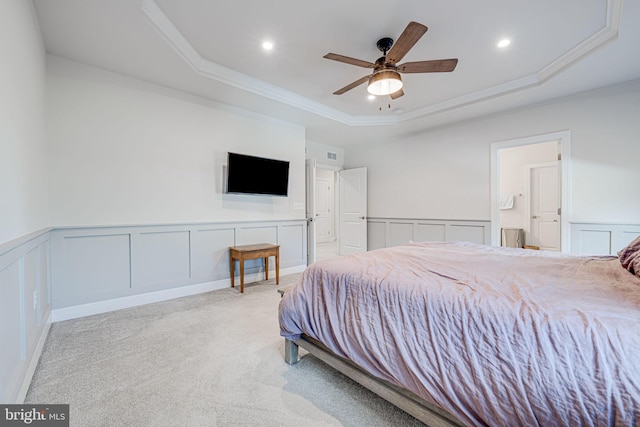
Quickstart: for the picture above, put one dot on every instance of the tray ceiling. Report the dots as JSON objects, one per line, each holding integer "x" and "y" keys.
{"x": 213, "y": 50}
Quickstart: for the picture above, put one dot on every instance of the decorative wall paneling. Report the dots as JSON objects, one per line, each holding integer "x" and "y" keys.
{"x": 601, "y": 239}
{"x": 98, "y": 269}
{"x": 385, "y": 232}
{"x": 25, "y": 311}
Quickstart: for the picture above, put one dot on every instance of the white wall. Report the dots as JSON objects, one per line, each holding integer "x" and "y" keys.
{"x": 319, "y": 152}
{"x": 23, "y": 200}
{"x": 445, "y": 173}
{"x": 127, "y": 152}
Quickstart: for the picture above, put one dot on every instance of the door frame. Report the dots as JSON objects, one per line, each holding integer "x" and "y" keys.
{"x": 310, "y": 201}
{"x": 564, "y": 140}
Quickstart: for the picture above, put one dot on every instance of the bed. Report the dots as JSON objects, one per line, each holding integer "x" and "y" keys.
{"x": 457, "y": 333}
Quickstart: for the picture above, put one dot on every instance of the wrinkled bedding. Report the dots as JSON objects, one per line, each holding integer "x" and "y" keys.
{"x": 496, "y": 336}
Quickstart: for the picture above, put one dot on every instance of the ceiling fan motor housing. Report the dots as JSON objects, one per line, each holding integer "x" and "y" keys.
{"x": 384, "y": 44}
{"x": 381, "y": 64}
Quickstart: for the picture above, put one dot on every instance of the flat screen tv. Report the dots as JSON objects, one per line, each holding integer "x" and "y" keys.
{"x": 257, "y": 175}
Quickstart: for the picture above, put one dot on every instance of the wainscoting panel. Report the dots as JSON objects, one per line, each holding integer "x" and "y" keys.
{"x": 25, "y": 311}
{"x": 430, "y": 232}
{"x": 11, "y": 356}
{"x": 468, "y": 233}
{"x": 89, "y": 267}
{"x": 293, "y": 249}
{"x": 44, "y": 267}
{"x": 210, "y": 256}
{"x": 626, "y": 237}
{"x": 31, "y": 315}
{"x": 160, "y": 257}
{"x": 400, "y": 233}
{"x": 385, "y": 232}
{"x": 601, "y": 239}
{"x": 99, "y": 265}
{"x": 376, "y": 234}
{"x": 595, "y": 242}
{"x": 251, "y": 234}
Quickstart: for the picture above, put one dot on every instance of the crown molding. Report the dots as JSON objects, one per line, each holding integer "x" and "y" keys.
{"x": 174, "y": 38}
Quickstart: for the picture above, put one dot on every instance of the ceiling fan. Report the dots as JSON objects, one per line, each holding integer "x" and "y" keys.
{"x": 385, "y": 79}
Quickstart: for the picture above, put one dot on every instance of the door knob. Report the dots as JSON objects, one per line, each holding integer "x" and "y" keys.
{"x": 362, "y": 217}
{"x": 535, "y": 216}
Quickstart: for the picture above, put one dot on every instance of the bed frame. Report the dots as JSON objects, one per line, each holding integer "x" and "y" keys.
{"x": 409, "y": 402}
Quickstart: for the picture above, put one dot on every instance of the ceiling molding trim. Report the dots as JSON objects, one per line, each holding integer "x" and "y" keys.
{"x": 474, "y": 97}
{"x": 225, "y": 75}
{"x": 209, "y": 69}
{"x": 599, "y": 38}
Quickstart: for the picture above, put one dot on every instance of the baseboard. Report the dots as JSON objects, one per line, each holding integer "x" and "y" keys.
{"x": 83, "y": 310}
{"x": 33, "y": 364}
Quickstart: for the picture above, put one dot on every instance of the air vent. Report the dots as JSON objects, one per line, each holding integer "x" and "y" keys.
{"x": 332, "y": 156}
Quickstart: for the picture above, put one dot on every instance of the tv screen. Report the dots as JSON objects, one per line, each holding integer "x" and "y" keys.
{"x": 257, "y": 175}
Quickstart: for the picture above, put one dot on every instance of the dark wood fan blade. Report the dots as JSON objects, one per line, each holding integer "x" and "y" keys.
{"x": 348, "y": 60}
{"x": 397, "y": 94}
{"x": 405, "y": 42}
{"x": 435, "y": 66}
{"x": 351, "y": 86}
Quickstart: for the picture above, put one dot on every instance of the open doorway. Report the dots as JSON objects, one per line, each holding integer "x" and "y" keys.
{"x": 530, "y": 192}
{"x": 530, "y": 196}
{"x": 326, "y": 213}
{"x": 336, "y": 205}
{"x": 321, "y": 211}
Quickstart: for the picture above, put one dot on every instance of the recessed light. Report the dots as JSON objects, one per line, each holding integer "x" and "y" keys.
{"x": 503, "y": 43}
{"x": 267, "y": 45}
{"x": 371, "y": 97}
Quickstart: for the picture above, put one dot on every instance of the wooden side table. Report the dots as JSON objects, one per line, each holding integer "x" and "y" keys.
{"x": 261, "y": 250}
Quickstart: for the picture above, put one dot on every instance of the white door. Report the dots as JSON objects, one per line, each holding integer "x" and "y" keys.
{"x": 323, "y": 210}
{"x": 310, "y": 179}
{"x": 544, "y": 210}
{"x": 353, "y": 211}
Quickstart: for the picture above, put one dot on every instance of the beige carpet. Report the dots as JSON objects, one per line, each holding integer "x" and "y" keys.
{"x": 214, "y": 359}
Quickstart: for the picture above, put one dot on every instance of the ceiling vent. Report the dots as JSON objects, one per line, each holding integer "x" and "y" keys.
{"x": 332, "y": 156}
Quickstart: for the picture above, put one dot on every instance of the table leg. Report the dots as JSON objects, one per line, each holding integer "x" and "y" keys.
{"x": 277, "y": 268}
{"x": 241, "y": 276}
{"x": 232, "y": 265}
{"x": 266, "y": 268}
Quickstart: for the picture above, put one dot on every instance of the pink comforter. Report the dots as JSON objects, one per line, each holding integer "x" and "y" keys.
{"x": 496, "y": 336}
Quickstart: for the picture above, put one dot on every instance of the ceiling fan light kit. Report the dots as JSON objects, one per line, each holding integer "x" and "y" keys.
{"x": 384, "y": 82}
{"x": 385, "y": 79}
